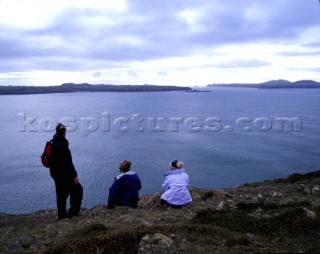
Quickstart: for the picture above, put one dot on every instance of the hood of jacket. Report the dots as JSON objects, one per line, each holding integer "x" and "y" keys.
{"x": 176, "y": 171}
{"x": 127, "y": 177}
{"x": 59, "y": 137}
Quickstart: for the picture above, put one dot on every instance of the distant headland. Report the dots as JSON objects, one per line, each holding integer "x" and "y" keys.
{"x": 85, "y": 87}
{"x": 71, "y": 87}
{"x": 273, "y": 84}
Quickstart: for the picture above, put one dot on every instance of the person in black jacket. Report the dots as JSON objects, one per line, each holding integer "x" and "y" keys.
{"x": 125, "y": 188}
{"x": 64, "y": 175}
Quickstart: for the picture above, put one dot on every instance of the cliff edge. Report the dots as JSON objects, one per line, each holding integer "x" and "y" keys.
{"x": 281, "y": 215}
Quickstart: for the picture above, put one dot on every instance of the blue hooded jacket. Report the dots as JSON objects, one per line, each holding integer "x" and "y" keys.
{"x": 125, "y": 190}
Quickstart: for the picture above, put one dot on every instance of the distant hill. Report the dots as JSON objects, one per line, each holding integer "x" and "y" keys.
{"x": 273, "y": 84}
{"x": 71, "y": 87}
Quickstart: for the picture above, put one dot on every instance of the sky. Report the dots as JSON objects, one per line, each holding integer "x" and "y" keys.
{"x": 159, "y": 42}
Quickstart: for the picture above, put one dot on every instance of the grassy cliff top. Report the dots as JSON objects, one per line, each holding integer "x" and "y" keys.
{"x": 281, "y": 215}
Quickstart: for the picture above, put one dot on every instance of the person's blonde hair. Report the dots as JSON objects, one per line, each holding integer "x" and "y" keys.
{"x": 125, "y": 166}
{"x": 180, "y": 164}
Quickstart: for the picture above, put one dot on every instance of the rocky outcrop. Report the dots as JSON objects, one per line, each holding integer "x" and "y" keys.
{"x": 156, "y": 243}
{"x": 273, "y": 216}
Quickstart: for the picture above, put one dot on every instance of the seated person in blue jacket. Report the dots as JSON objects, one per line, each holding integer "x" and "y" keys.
{"x": 125, "y": 188}
{"x": 175, "y": 187}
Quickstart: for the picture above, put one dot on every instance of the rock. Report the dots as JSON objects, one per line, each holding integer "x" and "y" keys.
{"x": 250, "y": 236}
{"x": 301, "y": 187}
{"x": 259, "y": 210}
{"x": 126, "y": 218}
{"x": 150, "y": 200}
{"x": 146, "y": 224}
{"x": 310, "y": 214}
{"x": 315, "y": 189}
{"x": 255, "y": 199}
{"x": 196, "y": 196}
{"x": 304, "y": 188}
{"x": 222, "y": 206}
{"x": 277, "y": 194}
{"x": 260, "y": 197}
{"x": 49, "y": 227}
{"x": 172, "y": 236}
{"x": 307, "y": 191}
{"x": 156, "y": 243}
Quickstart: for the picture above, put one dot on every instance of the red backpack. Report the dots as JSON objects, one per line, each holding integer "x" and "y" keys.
{"x": 46, "y": 156}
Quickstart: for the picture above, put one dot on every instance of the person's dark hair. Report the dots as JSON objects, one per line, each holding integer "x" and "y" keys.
{"x": 174, "y": 163}
{"x": 125, "y": 166}
{"x": 61, "y": 129}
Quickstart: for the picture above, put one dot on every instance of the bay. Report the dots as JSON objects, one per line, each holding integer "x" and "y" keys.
{"x": 225, "y": 137}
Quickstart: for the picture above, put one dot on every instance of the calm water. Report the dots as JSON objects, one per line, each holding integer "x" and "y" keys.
{"x": 213, "y": 158}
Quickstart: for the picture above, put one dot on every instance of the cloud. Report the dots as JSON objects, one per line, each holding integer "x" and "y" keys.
{"x": 97, "y": 74}
{"x": 132, "y": 74}
{"x": 315, "y": 69}
{"x": 81, "y": 36}
{"x": 162, "y": 73}
{"x": 242, "y": 64}
{"x": 300, "y": 53}
{"x": 313, "y": 45}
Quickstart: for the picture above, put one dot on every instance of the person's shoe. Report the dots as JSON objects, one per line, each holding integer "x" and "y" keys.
{"x": 71, "y": 214}
{"x": 61, "y": 217}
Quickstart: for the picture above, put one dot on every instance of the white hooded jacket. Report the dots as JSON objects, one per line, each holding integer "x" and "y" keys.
{"x": 175, "y": 187}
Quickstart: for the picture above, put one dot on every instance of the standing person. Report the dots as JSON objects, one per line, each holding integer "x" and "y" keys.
{"x": 125, "y": 188}
{"x": 64, "y": 175}
{"x": 176, "y": 186}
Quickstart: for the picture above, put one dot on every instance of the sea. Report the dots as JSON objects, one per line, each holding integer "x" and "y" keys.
{"x": 224, "y": 136}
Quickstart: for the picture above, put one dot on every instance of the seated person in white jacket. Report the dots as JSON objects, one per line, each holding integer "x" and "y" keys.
{"x": 175, "y": 187}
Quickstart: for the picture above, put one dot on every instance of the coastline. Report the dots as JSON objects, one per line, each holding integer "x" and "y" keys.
{"x": 73, "y": 88}
{"x": 280, "y": 215}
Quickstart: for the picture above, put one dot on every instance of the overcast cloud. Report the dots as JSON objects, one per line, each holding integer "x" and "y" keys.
{"x": 162, "y": 42}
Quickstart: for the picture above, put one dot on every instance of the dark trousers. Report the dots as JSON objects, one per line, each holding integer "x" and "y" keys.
{"x": 166, "y": 204}
{"x": 64, "y": 189}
